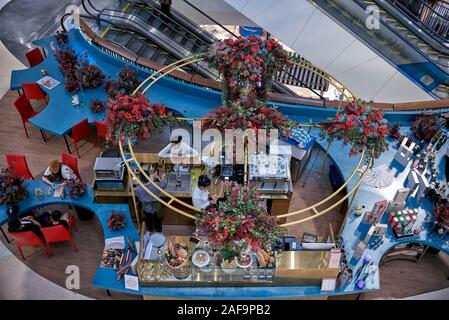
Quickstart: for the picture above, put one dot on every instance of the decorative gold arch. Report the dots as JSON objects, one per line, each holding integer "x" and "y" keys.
{"x": 345, "y": 92}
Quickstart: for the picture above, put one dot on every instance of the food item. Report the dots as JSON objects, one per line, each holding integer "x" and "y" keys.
{"x": 111, "y": 258}
{"x": 265, "y": 257}
{"x": 200, "y": 258}
{"x": 244, "y": 259}
{"x": 177, "y": 251}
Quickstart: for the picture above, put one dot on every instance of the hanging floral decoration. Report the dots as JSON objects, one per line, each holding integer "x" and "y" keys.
{"x": 12, "y": 189}
{"x": 134, "y": 118}
{"x": 360, "y": 126}
{"x": 248, "y": 66}
{"x": 240, "y": 218}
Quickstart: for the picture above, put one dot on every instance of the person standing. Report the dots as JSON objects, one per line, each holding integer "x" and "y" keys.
{"x": 165, "y": 7}
{"x": 151, "y": 206}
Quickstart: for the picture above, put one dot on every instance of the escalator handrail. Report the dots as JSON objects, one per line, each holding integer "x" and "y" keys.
{"x": 175, "y": 22}
{"x": 140, "y": 25}
{"x": 210, "y": 18}
{"x": 406, "y": 11}
{"x": 440, "y": 66}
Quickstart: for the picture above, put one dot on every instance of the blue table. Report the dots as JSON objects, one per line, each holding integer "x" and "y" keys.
{"x": 102, "y": 211}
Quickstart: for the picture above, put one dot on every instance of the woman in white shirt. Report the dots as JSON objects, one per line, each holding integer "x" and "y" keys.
{"x": 200, "y": 197}
{"x": 58, "y": 172}
{"x": 178, "y": 149}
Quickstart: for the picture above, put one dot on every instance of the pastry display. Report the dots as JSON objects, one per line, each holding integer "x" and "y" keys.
{"x": 265, "y": 257}
{"x": 177, "y": 252}
{"x": 263, "y": 165}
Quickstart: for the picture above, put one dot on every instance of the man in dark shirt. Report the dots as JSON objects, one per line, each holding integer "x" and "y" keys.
{"x": 24, "y": 224}
{"x": 56, "y": 220}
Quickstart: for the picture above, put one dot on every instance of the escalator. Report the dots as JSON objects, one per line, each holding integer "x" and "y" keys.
{"x": 397, "y": 39}
{"x": 143, "y": 29}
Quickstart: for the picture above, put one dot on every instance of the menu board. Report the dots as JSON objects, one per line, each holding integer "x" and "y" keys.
{"x": 268, "y": 166}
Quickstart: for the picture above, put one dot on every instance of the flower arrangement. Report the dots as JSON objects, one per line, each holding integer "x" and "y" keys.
{"x": 127, "y": 81}
{"x": 393, "y": 131}
{"x": 90, "y": 75}
{"x": 247, "y": 60}
{"x": 359, "y": 126}
{"x": 134, "y": 118}
{"x": 248, "y": 66}
{"x": 240, "y": 218}
{"x": 97, "y": 105}
{"x": 11, "y": 188}
{"x": 441, "y": 213}
{"x": 68, "y": 64}
{"x": 61, "y": 38}
{"x": 245, "y": 117}
{"x": 76, "y": 189}
{"x": 116, "y": 220}
{"x": 425, "y": 126}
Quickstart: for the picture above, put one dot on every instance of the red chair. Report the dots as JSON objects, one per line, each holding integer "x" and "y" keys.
{"x": 102, "y": 130}
{"x": 26, "y": 112}
{"x": 79, "y": 132}
{"x": 34, "y": 57}
{"x": 57, "y": 234}
{"x": 71, "y": 162}
{"x": 34, "y": 92}
{"x": 27, "y": 239}
{"x": 17, "y": 163}
{"x": 72, "y": 223}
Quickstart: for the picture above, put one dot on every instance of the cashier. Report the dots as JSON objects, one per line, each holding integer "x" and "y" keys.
{"x": 178, "y": 149}
{"x": 201, "y": 198}
{"x": 58, "y": 172}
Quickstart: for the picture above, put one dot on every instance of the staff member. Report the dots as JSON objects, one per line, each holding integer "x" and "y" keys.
{"x": 58, "y": 172}
{"x": 201, "y": 198}
{"x": 178, "y": 149}
{"x": 151, "y": 207}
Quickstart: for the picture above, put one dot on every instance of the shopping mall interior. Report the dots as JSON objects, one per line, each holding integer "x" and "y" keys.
{"x": 224, "y": 149}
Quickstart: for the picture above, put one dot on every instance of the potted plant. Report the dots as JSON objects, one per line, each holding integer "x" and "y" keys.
{"x": 127, "y": 81}
{"x": 97, "y": 105}
{"x": 12, "y": 189}
{"x": 76, "y": 189}
{"x": 90, "y": 75}
{"x": 116, "y": 221}
{"x": 228, "y": 255}
{"x": 441, "y": 213}
{"x": 61, "y": 38}
{"x": 360, "y": 126}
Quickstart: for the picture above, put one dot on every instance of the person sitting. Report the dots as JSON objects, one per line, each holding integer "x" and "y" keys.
{"x": 178, "y": 149}
{"x": 56, "y": 219}
{"x": 151, "y": 206}
{"x": 58, "y": 172}
{"x": 201, "y": 198}
{"x": 24, "y": 224}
